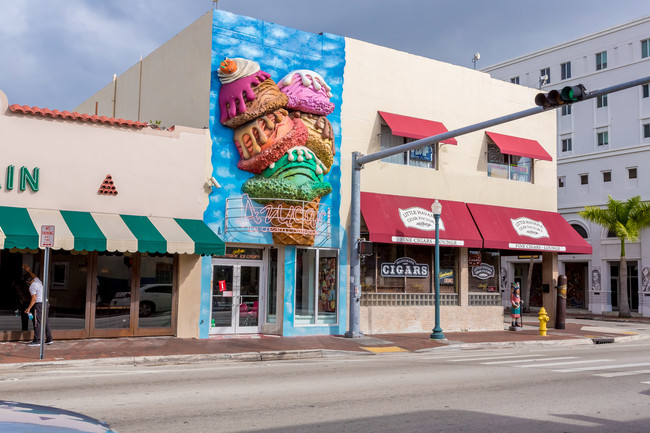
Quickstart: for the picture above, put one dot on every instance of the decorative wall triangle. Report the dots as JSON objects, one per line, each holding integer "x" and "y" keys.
{"x": 108, "y": 187}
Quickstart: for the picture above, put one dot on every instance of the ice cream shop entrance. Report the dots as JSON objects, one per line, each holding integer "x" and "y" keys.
{"x": 236, "y": 296}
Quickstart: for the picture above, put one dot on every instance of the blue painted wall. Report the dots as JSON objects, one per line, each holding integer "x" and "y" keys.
{"x": 278, "y": 50}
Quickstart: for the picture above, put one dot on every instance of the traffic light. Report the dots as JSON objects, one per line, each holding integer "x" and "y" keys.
{"x": 555, "y": 98}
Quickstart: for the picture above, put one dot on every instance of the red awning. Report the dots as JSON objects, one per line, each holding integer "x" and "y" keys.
{"x": 412, "y": 127}
{"x": 526, "y": 229}
{"x": 408, "y": 220}
{"x": 519, "y": 146}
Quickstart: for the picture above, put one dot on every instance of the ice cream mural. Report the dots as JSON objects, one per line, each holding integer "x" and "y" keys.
{"x": 284, "y": 139}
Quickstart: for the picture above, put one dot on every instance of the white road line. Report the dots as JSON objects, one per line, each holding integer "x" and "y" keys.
{"x": 603, "y": 367}
{"x": 553, "y": 364}
{"x": 623, "y": 373}
{"x": 527, "y": 360}
{"x": 492, "y": 357}
{"x": 646, "y": 383}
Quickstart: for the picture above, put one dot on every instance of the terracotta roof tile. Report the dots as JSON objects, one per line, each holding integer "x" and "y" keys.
{"x": 46, "y": 112}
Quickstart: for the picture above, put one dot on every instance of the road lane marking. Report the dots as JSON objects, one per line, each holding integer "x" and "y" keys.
{"x": 603, "y": 367}
{"x": 553, "y": 364}
{"x": 527, "y": 360}
{"x": 492, "y": 357}
{"x": 623, "y": 373}
{"x": 386, "y": 349}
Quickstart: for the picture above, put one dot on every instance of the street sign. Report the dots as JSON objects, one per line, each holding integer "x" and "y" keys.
{"x": 47, "y": 236}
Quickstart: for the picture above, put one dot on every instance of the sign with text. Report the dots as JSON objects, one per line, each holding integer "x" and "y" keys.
{"x": 405, "y": 267}
{"x": 47, "y": 236}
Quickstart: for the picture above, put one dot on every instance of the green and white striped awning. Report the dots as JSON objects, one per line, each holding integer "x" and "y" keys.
{"x": 91, "y": 231}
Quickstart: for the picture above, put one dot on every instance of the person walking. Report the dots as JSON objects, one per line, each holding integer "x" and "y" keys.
{"x": 37, "y": 302}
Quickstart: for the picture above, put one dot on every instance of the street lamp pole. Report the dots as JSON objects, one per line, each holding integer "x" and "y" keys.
{"x": 437, "y": 334}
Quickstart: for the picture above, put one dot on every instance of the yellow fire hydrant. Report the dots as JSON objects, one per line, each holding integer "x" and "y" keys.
{"x": 543, "y": 318}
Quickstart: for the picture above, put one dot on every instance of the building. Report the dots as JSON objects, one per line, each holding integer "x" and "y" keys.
{"x": 128, "y": 232}
{"x": 601, "y": 144}
{"x": 283, "y": 208}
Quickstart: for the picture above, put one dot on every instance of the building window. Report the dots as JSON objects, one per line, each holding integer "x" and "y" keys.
{"x": 567, "y": 145}
{"x": 646, "y": 90}
{"x": 646, "y": 130}
{"x": 601, "y": 101}
{"x": 631, "y": 173}
{"x": 584, "y": 179}
{"x": 514, "y": 80}
{"x": 581, "y": 230}
{"x": 426, "y": 156}
{"x": 645, "y": 49}
{"x": 603, "y": 138}
{"x": 601, "y": 60}
{"x": 607, "y": 176}
{"x": 565, "y": 70}
{"x": 504, "y": 166}
{"x": 544, "y": 76}
{"x": 561, "y": 181}
{"x": 566, "y": 110}
{"x": 316, "y": 286}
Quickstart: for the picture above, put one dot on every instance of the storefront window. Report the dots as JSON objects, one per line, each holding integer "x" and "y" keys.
{"x": 67, "y": 293}
{"x": 271, "y": 299}
{"x": 14, "y": 292}
{"x": 397, "y": 268}
{"x": 513, "y": 167}
{"x": 483, "y": 270}
{"x": 316, "y": 286}
{"x": 156, "y": 283}
{"x": 113, "y": 305}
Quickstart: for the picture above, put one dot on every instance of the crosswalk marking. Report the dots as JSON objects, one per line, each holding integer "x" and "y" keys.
{"x": 515, "y": 361}
{"x": 492, "y": 357}
{"x": 603, "y": 367}
{"x": 623, "y": 373}
{"x": 553, "y": 364}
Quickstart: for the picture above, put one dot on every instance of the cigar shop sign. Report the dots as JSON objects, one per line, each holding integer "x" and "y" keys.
{"x": 405, "y": 267}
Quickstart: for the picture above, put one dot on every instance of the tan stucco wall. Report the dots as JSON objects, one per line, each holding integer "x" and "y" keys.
{"x": 170, "y": 85}
{"x": 156, "y": 173}
{"x": 189, "y": 296}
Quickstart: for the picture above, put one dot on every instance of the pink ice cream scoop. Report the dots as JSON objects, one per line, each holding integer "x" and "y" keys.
{"x": 307, "y": 92}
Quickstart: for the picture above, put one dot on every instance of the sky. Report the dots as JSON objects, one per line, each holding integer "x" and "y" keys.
{"x": 56, "y": 54}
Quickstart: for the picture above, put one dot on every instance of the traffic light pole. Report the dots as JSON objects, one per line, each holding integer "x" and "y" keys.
{"x": 359, "y": 160}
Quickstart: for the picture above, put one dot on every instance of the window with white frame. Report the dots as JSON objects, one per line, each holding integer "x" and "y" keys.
{"x": 601, "y": 60}
{"x": 561, "y": 182}
{"x": 602, "y": 138}
{"x": 566, "y": 110}
{"x": 645, "y": 90}
{"x": 631, "y": 172}
{"x": 504, "y": 166}
{"x": 567, "y": 145}
{"x": 601, "y": 101}
{"x": 645, "y": 48}
{"x": 545, "y": 76}
{"x": 584, "y": 179}
{"x": 646, "y": 130}
{"x": 565, "y": 70}
{"x": 316, "y": 286}
{"x": 607, "y": 176}
{"x": 514, "y": 80}
{"x": 426, "y": 156}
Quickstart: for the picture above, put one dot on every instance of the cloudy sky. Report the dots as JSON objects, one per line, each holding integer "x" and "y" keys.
{"x": 56, "y": 54}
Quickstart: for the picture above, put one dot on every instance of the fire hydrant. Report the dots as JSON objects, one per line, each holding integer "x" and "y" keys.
{"x": 543, "y": 318}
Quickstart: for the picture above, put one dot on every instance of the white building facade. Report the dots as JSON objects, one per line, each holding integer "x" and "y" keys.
{"x": 603, "y": 145}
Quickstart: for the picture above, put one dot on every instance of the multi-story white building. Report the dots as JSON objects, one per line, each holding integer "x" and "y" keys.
{"x": 603, "y": 150}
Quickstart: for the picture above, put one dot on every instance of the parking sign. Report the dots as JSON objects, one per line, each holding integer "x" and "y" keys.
{"x": 47, "y": 236}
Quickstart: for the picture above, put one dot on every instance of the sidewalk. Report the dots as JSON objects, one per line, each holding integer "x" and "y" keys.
{"x": 580, "y": 328}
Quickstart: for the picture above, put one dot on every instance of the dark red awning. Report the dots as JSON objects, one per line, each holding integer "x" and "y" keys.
{"x": 519, "y": 146}
{"x": 408, "y": 220}
{"x": 412, "y": 127}
{"x": 526, "y": 229}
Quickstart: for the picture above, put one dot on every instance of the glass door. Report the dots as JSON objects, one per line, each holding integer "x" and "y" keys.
{"x": 235, "y": 297}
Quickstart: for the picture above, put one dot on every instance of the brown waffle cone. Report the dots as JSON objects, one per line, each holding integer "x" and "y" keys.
{"x": 294, "y": 219}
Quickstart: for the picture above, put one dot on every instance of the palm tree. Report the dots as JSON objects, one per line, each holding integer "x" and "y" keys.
{"x": 626, "y": 220}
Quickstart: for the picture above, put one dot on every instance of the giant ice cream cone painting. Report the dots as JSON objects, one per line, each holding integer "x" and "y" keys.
{"x": 283, "y": 137}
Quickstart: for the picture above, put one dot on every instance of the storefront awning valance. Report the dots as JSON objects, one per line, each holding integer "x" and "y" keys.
{"x": 519, "y": 146}
{"x": 412, "y": 127}
{"x": 526, "y": 229}
{"x": 409, "y": 220}
{"x": 91, "y": 231}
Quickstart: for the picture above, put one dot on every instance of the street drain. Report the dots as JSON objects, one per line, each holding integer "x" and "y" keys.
{"x": 602, "y": 340}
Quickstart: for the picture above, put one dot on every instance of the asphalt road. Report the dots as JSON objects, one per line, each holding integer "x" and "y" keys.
{"x": 599, "y": 388}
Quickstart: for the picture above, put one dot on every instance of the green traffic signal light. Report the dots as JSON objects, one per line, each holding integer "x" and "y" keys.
{"x": 573, "y": 93}
{"x": 555, "y": 98}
